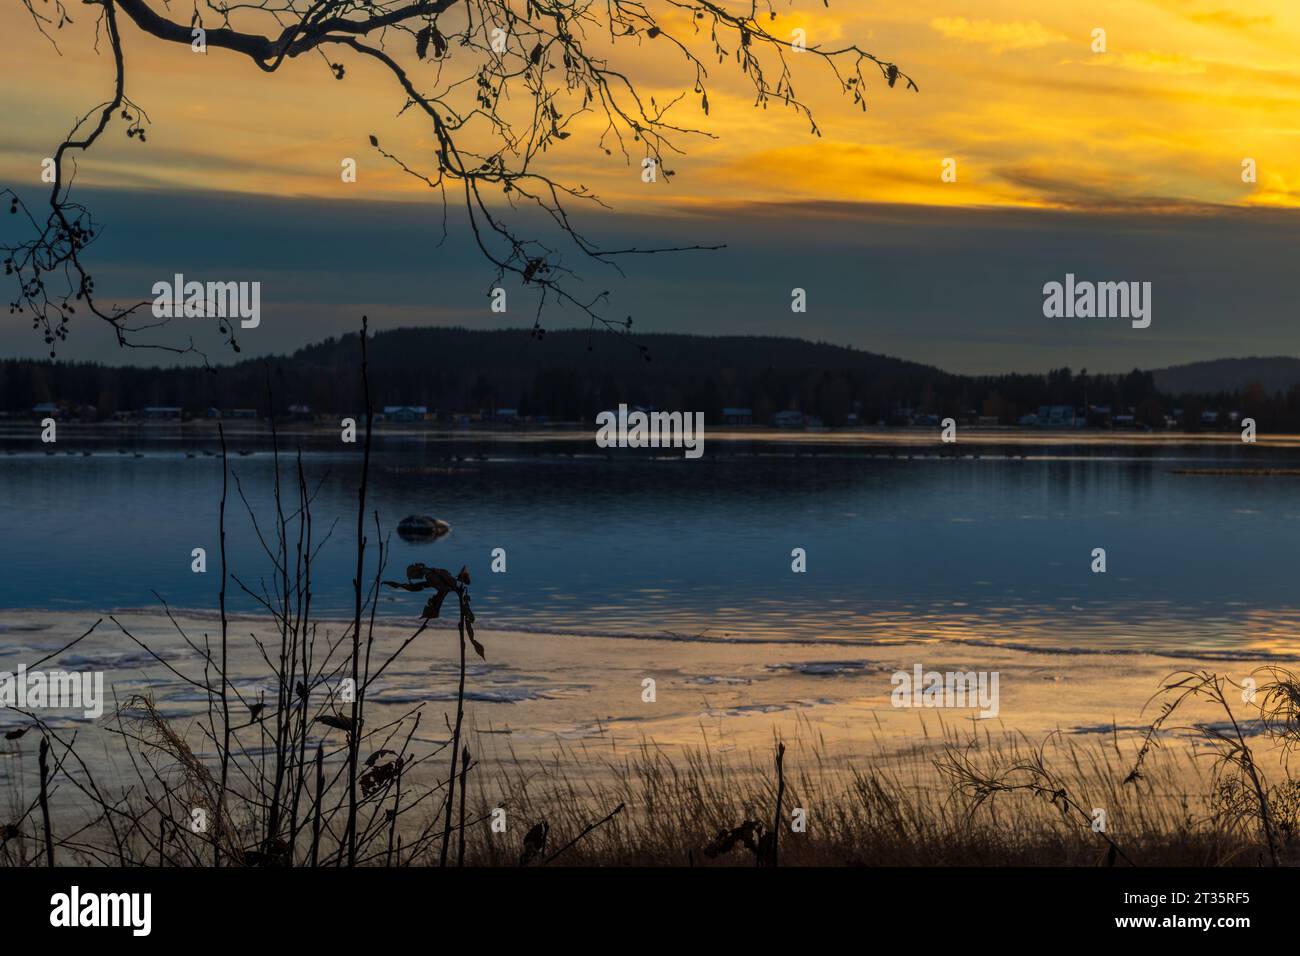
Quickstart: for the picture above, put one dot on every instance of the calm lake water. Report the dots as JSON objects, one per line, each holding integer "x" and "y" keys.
{"x": 983, "y": 541}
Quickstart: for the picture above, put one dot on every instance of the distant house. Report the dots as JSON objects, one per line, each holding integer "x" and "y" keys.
{"x": 161, "y": 413}
{"x": 1056, "y": 416}
{"x": 507, "y": 415}
{"x": 246, "y": 413}
{"x": 738, "y": 416}
{"x": 1209, "y": 418}
{"x": 787, "y": 419}
{"x": 46, "y": 410}
{"x": 300, "y": 413}
{"x": 405, "y": 413}
{"x": 1029, "y": 420}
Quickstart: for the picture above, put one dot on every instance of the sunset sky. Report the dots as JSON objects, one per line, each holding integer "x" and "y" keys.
{"x": 1103, "y": 157}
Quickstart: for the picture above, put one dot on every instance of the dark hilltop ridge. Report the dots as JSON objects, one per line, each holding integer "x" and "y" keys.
{"x": 1273, "y": 374}
{"x": 571, "y": 375}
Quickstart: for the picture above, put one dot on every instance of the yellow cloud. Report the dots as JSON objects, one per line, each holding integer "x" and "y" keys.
{"x": 1275, "y": 190}
{"x": 1216, "y": 17}
{"x": 1228, "y": 18}
{"x": 1015, "y": 35}
{"x": 866, "y": 173}
{"x": 1189, "y": 89}
{"x": 1149, "y": 61}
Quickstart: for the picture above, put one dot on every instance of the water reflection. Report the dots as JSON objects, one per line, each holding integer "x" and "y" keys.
{"x": 983, "y": 541}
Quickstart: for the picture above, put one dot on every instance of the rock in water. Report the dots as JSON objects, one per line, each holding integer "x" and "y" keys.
{"x": 422, "y": 527}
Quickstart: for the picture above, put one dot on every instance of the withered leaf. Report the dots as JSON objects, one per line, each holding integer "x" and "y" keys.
{"x": 434, "y": 605}
{"x": 406, "y": 585}
{"x": 337, "y": 721}
{"x": 379, "y": 775}
{"x": 441, "y": 578}
{"x": 726, "y": 839}
{"x": 534, "y": 843}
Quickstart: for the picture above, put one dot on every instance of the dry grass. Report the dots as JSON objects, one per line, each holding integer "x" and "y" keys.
{"x": 989, "y": 799}
{"x": 923, "y": 808}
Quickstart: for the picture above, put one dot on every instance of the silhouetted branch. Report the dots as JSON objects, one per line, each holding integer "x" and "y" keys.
{"x": 500, "y": 82}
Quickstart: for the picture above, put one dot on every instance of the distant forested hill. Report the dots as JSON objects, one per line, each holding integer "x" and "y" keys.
{"x": 572, "y": 375}
{"x": 1275, "y": 374}
{"x": 566, "y": 375}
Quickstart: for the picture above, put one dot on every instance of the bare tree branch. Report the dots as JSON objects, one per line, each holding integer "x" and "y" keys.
{"x": 500, "y": 82}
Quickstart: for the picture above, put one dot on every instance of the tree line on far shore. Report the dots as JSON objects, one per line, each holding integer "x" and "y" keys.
{"x": 573, "y": 375}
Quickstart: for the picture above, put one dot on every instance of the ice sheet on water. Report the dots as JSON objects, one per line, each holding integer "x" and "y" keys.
{"x": 827, "y": 668}
{"x": 743, "y": 710}
{"x": 107, "y": 660}
{"x": 500, "y": 695}
{"x": 713, "y": 679}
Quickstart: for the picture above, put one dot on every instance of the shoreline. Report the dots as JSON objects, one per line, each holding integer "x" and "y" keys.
{"x": 21, "y": 429}
{"x": 29, "y": 621}
{"x": 545, "y": 687}
{"x": 560, "y": 729}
